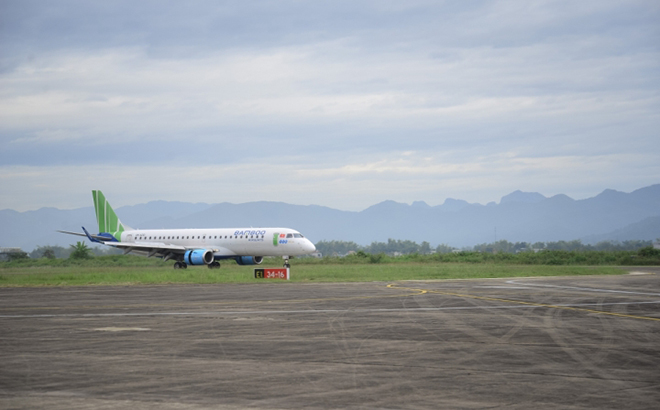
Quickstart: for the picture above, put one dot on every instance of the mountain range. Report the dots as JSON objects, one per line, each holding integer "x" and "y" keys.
{"x": 520, "y": 216}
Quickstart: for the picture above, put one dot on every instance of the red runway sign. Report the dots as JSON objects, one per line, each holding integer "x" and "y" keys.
{"x": 271, "y": 273}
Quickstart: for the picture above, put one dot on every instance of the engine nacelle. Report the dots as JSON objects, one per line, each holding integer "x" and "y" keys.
{"x": 249, "y": 260}
{"x": 198, "y": 257}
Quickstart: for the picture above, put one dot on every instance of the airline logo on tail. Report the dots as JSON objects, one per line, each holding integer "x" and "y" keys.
{"x": 106, "y": 217}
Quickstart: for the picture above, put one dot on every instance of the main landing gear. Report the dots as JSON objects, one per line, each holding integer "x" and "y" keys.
{"x": 183, "y": 265}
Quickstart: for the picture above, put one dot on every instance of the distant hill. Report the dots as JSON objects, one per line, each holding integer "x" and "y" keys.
{"x": 648, "y": 229}
{"x": 519, "y": 216}
{"x": 526, "y": 197}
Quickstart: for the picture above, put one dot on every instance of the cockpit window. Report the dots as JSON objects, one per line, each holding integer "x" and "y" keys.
{"x": 297, "y": 235}
{"x": 289, "y": 235}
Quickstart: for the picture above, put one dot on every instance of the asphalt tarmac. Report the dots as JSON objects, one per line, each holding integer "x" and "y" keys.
{"x": 569, "y": 343}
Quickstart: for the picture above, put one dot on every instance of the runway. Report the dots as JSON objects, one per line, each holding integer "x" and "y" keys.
{"x": 570, "y": 343}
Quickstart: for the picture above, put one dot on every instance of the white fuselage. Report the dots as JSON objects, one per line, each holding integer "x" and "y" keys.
{"x": 227, "y": 241}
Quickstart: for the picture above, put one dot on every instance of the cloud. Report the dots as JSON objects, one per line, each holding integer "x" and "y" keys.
{"x": 487, "y": 95}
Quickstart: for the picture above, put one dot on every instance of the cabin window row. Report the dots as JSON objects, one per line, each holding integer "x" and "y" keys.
{"x": 204, "y": 237}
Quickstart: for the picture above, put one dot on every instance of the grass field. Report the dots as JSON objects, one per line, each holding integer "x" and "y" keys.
{"x": 156, "y": 272}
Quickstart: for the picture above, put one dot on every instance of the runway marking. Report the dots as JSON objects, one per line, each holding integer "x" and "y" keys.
{"x": 314, "y": 311}
{"x": 503, "y": 287}
{"x": 566, "y": 307}
{"x": 122, "y": 329}
{"x": 582, "y": 289}
{"x": 233, "y": 302}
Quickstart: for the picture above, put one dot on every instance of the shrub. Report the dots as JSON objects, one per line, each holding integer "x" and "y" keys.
{"x": 80, "y": 251}
{"x": 16, "y": 256}
{"x": 649, "y": 252}
{"x": 376, "y": 258}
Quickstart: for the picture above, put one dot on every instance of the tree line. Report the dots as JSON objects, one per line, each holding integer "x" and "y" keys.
{"x": 405, "y": 247}
{"x": 625, "y": 253}
{"x": 78, "y": 251}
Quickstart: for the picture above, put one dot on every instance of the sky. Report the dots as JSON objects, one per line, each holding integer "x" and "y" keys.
{"x": 336, "y": 103}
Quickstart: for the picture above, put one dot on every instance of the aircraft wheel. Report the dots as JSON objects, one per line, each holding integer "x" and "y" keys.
{"x": 214, "y": 265}
{"x": 286, "y": 263}
{"x": 178, "y": 265}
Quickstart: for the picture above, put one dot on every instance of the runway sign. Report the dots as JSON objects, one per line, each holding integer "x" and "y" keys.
{"x": 271, "y": 273}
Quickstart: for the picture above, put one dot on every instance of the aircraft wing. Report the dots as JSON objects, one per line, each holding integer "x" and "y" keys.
{"x": 163, "y": 249}
{"x": 148, "y": 246}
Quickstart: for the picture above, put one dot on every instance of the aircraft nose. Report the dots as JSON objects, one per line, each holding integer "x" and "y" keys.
{"x": 309, "y": 246}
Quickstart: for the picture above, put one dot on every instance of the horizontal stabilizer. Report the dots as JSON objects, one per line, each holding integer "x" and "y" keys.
{"x": 94, "y": 238}
{"x": 73, "y": 233}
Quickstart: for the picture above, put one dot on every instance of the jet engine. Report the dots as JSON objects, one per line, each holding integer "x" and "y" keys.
{"x": 198, "y": 257}
{"x": 249, "y": 260}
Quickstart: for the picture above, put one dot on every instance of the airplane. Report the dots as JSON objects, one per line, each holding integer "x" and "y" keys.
{"x": 247, "y": 246}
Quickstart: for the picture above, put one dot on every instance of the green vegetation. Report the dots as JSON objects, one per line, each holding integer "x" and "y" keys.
{"x": 52, "y": 252}
{"x": 17, "y": 256}
{"x": 111, "y": 261}
{"x": 80, "y": 251}
{"x": 338, "y": 248}
{"x": 394, "y": 247}
{"x": 359, "y": 266}
{"x": 576, "y": 245}
{"x": 130, "y": 270}
{"x": 644, "y": 256}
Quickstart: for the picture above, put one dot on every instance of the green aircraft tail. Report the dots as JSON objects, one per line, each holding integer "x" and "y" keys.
{"x": 106, "y": 216}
